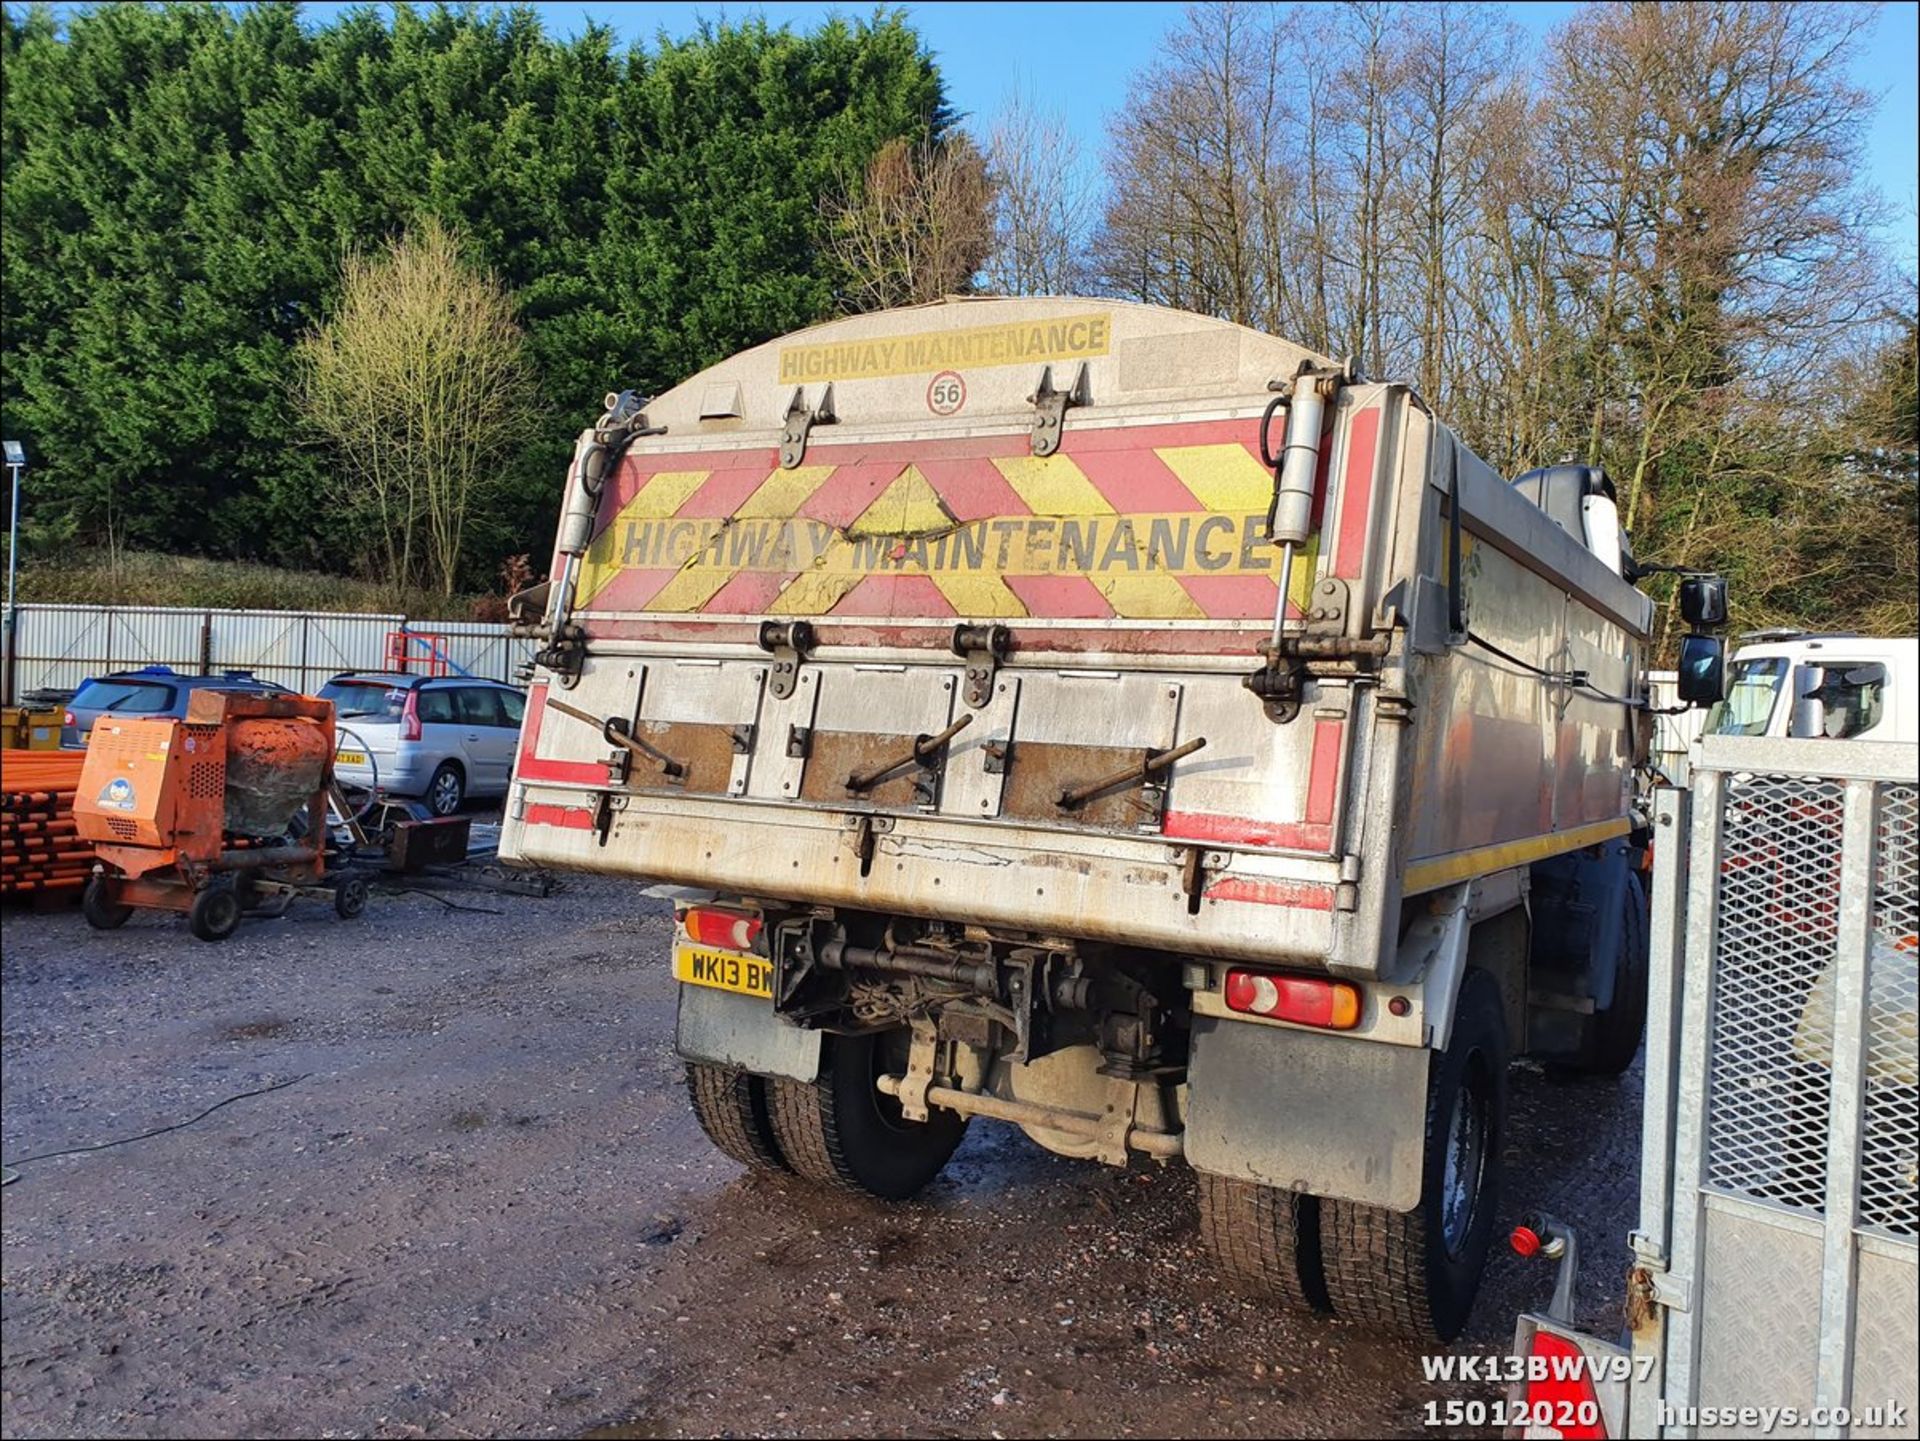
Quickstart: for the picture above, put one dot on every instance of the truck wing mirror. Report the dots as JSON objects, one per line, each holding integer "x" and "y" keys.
{"x": 1703, "y": 669}
{"x": 1809, "y": 716}
{"x": 1703, "y": 601}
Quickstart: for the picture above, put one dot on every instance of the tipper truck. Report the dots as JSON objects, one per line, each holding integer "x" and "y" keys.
{"x": 1122, "y": 724}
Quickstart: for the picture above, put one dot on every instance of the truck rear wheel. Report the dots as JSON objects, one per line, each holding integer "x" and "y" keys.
{"x": 1417, "y": 1272}
{"x": 731, "y": 1107}
{"x": 1265, "y": 1236}
{"x": 840, "y": 1131}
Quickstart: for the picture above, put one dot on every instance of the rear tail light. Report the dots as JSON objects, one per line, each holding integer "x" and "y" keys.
{"x": 67, "y": 719}
{"x": 410, "y": 717}
{"x": 1560, "y": 1390}
{"x": 1304, "y": 1000}
{"x": 727, "y": 929}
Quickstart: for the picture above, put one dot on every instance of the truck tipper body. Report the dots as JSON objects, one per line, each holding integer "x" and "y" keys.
{"x": 1120, "y": 723}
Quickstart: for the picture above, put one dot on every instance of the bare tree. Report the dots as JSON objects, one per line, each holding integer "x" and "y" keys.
{"x": 916, "y": 226}
{"x": 419, "y": 380}
{"x": 1043, "y": 208}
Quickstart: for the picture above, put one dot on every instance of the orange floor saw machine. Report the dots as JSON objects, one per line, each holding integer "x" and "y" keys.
{"x": 221, "y": 814}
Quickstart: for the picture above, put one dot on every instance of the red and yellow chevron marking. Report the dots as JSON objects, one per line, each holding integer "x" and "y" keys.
{"x": 1142, "y": 523}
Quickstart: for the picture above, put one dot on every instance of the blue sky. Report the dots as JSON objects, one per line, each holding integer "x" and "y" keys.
{"x": 1080, "y": 56}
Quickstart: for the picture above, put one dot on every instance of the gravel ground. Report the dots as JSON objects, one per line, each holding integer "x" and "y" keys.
{"x": 484, "y": 1207}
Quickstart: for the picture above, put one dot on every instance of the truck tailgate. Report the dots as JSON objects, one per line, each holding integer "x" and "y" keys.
{"x": 1130, "y": 572}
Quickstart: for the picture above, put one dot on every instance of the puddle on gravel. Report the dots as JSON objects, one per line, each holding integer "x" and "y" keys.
{"x": 637, "y": 1429}
{"x": 266, "y": 1028}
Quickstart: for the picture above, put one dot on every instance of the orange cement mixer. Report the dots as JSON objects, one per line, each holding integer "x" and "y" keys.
{"x": 219, "y": 814}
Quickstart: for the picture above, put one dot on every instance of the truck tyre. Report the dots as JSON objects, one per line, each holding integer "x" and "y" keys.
{"x": 1266, "y": 1237}
{"x": 1416, "y": 1272}
{"x": 731, "y": 1107}
{"x": 840, "y": 1131}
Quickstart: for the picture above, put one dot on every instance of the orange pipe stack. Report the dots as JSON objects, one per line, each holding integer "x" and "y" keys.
{"x": 39, "y": 852}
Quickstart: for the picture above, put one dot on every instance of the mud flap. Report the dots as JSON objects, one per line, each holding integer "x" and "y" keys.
{"x": 1328, "y": 1115}
{"x": 733, "y": 1030}
{"x": 1577, "y": 912}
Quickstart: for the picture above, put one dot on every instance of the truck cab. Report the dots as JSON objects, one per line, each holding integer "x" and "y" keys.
{"x": 1792, "y": 684}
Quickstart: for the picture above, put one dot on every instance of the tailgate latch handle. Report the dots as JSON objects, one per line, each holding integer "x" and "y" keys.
{"x": 618, "y": 732}
{"x": 1155, "y": 761}
{"x": 924, "y": 753}
{"x": 1050, "y": 409}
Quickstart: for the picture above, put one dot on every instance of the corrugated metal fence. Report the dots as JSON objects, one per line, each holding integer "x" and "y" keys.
{"x": 59, "y": 646}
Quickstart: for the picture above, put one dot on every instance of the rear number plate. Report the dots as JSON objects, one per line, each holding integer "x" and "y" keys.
{"x": 723, "y": 970}
{"x": 351, "y": 758}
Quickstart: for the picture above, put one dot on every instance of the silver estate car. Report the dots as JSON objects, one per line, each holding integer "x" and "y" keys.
{"x": 444, "y": 739}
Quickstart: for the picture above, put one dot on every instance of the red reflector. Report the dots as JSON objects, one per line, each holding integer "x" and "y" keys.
{"x": 1566, "y": 1395}
{"x": 1525, "y": 1241}
{"x": 1306, "y": 1000}
{"x": 726, "y": 929}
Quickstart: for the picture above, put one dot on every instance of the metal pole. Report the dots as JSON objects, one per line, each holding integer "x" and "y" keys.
{"x": 13, "y": 552}
{"x": 13, "y": 537}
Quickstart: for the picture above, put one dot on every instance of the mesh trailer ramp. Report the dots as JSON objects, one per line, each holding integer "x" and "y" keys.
{"x": 1775, "y": 1263}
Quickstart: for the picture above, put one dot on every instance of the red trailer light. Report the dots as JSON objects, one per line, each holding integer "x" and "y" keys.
{"x": 727, "y": 929}
{"x": 1560, "y": 1389}
{"x": 1306, "y": 1000}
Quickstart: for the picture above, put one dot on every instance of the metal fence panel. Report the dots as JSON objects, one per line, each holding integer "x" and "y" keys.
{"x": 60, "y": 646}
{"x": 480, "y": 648}
{"x": 302, "y": 650}
{"x": 174, "y": 638}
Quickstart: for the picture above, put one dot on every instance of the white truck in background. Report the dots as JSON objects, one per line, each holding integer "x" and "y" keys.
{"x": 1788, "y": 683}
{"x": 1125, "y": 725}
{"x": 1795, "y": 683}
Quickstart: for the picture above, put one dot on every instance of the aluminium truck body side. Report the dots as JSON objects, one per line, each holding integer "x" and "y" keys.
{"x": 944, "y": 636}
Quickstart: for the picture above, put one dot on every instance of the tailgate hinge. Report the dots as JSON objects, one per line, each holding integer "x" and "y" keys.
{"x": 799, "y": 421}
{"x": 788, "y": 642}
{"x": 565, "y": 655}
{"x": 1346, "y": 895}
{"x": 983, "y": 648}
{"x": 1050, "y": 408}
